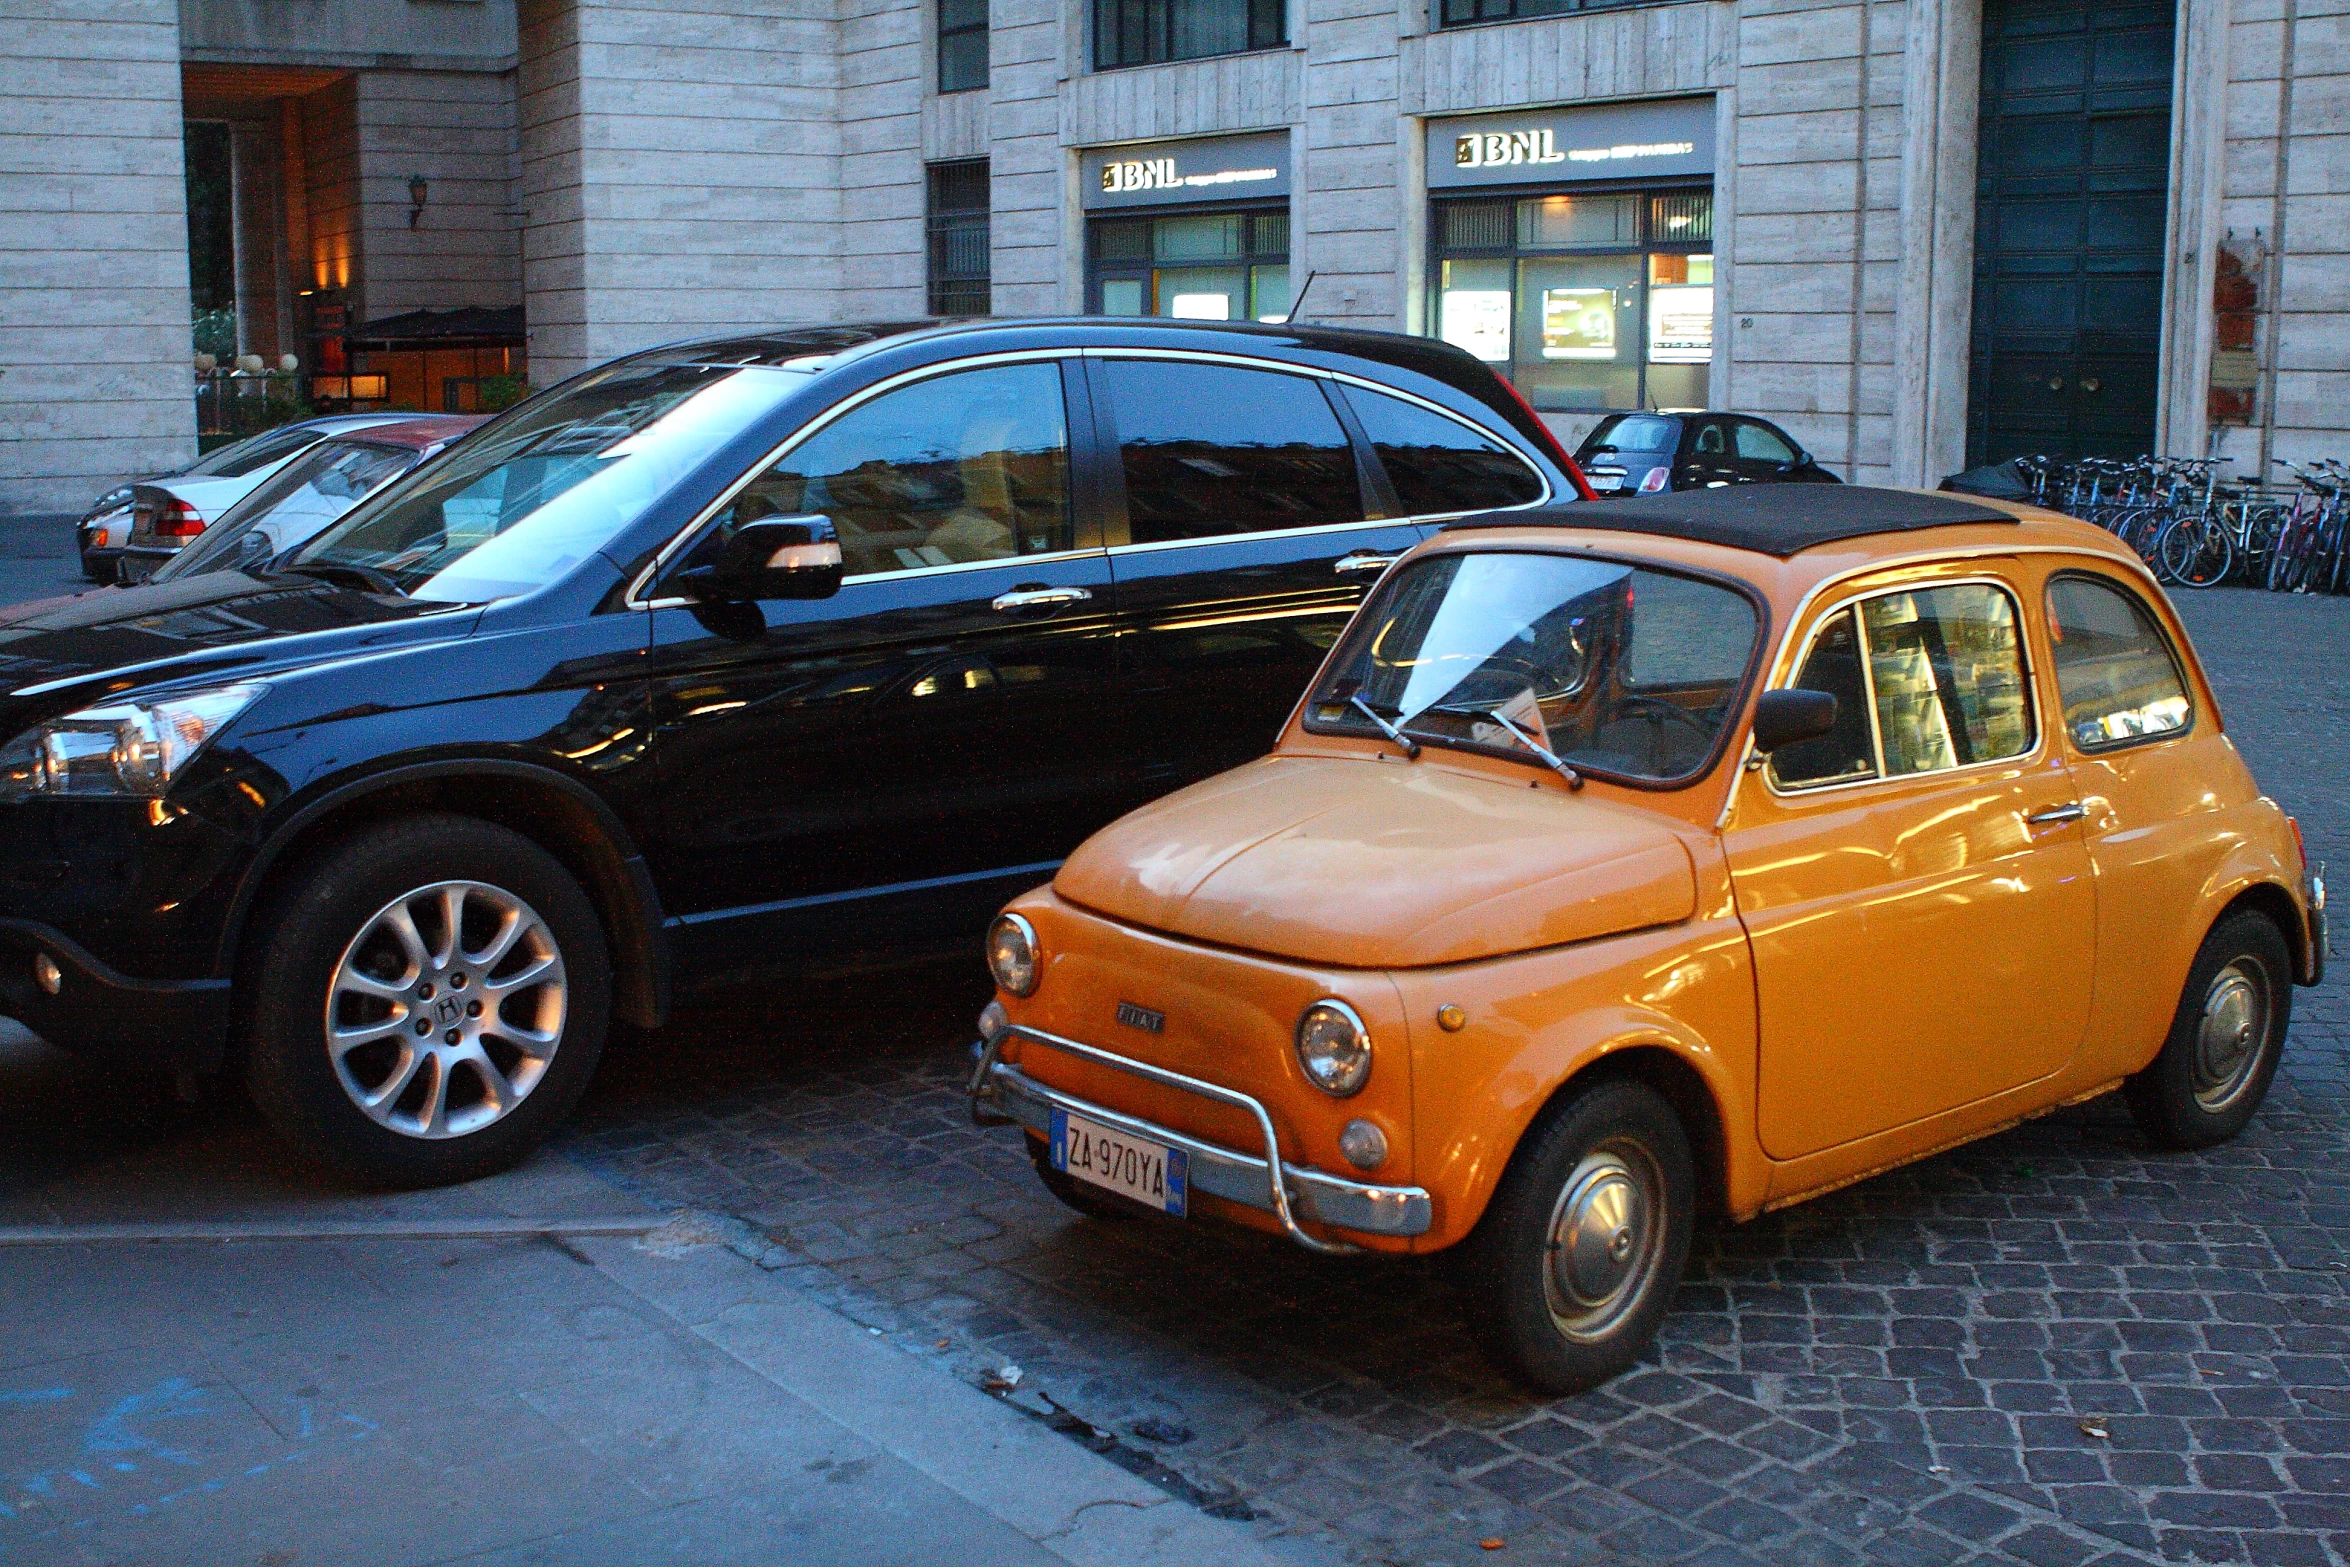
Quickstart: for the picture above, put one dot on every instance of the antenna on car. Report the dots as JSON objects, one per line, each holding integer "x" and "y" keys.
{"x": 1299, "y": 297}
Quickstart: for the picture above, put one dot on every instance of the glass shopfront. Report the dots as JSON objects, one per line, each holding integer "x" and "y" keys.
{"x": 1186, "y": 229}
{"x": 1573, "y": 251}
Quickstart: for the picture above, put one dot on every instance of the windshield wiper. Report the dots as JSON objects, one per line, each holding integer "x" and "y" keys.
{"x": 1492, "y": 715}
{"x": 366, "y": 577}
{"x": 1409, "y": 746}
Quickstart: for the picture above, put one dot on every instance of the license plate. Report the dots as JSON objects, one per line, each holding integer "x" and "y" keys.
{"x": 1135, "y": 1167}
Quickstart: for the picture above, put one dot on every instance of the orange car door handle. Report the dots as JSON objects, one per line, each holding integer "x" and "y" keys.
{"x": 2073, "y": 811}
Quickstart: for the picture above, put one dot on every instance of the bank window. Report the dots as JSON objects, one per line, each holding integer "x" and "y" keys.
{"x": 1145, "y": 32}
{"x": 1463, "y": 13}
{"x": 962, "y": 45}
{"x": 1200, "y": 266}
{"x": 1214, "y": 449}
{"x": 957, "y": 238}
{"x": 1588, "y": 302}
{"x": 968, "y": 466}
{"x": 2115, "y": 670}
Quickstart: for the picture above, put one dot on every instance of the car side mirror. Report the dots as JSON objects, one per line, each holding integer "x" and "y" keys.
{"x": 1790, "y": 717}
{"x": 771, "y": 558}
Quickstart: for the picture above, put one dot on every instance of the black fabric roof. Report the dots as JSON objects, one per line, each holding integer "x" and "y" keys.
{"x": 1771, "y": 519}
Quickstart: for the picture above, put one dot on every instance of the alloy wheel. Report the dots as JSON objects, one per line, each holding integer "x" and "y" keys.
{"x": 446, "y": 1009}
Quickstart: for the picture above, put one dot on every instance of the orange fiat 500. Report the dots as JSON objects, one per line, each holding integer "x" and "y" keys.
{"x": 1636, "y": 860}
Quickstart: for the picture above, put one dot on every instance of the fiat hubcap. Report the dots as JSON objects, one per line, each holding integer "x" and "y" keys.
{"x": 446, "y": 1009}
{"x": 1605, "y": 1235}
{"x": 2229, "y": 1038}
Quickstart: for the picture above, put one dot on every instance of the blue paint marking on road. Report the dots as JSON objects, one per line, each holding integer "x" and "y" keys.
{"x": 36, "y": 1395}
{"x": 112, "y": 1431}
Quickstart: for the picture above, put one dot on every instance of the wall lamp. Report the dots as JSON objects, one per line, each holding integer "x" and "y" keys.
{"x": 417, "y": 191}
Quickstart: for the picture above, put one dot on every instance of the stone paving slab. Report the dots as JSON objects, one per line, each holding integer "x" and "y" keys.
{"x": 521, "y": 1401}
{"x": 2055, "y": 1346}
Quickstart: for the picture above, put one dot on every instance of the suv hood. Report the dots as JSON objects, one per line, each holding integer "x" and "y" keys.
{"x": 1371, "y": 864}
{"x": 223, "y": 623}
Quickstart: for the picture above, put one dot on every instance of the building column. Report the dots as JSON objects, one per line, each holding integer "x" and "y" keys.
{"x": 681, "y": 172}
{"x": 94, "y": 315}
{"x": 264, "y": 326}
{"x": 1941, "y": 102}
{"x": 2198, "y": 142}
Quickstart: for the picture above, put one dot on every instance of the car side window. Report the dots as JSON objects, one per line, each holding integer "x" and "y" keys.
{"x": 1760, "y": 443}
{"x": 1216, "y": 449}
{"x": 968, "y": 466}
{"x": 2116, "y": 672}
{"x": 1438, "y": 464}
{"x": 1848, "y": 752}
{"x": 1709, "y": 440}
{"x": 1947, "y": 669}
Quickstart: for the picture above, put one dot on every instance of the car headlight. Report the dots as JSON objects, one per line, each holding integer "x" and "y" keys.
{"x": 1012, "y": 954}
{"x": 1334, "y": 1047}
{"x": 119, "y": 749}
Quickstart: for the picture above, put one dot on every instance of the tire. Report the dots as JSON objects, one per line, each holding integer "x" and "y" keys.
{"x": 2194, "y": 552}
{"x": 1090, "y": 1201}
{"x": 1569, "y": 1325}
{"x": 2215, "y": 1067}
{"x": 327, "y": 948}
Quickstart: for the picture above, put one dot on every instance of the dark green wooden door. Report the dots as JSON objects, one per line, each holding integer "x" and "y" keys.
{"x": 2070, "y": 186}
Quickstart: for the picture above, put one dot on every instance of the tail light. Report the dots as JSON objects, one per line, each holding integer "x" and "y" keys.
{"x": 1654, "y": 481}
{"x": 176, "y": 519}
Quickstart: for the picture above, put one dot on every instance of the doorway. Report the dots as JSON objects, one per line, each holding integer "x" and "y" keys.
{"x": 2071, "y": 187}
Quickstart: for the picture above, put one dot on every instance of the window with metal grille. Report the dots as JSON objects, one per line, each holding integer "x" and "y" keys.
{"x": 1464, "y": 13}
{"x": 962, "y": 45}
{"x": 1145, "y": 32}
{"x": 958, "y": 238}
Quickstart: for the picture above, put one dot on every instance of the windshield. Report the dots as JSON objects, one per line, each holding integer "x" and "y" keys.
{"x": 291, "y": 505}
{"x": 254, "y": 451}
{"x": 522, "y": 500}
{"x": 1634, "y": 433}
{"x": 1617, "y": 669}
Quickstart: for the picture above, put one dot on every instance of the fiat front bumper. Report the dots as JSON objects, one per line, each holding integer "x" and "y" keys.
{"x": 1002, "y": 1094}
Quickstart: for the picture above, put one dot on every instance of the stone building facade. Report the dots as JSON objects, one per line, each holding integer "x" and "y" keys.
{"x": 1916, "y": 233}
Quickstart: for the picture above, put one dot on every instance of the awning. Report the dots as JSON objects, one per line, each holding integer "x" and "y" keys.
{"x": 469, "y": 327}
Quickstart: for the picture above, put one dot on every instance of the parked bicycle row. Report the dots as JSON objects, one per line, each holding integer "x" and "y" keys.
{"x": 2198, "y": 528}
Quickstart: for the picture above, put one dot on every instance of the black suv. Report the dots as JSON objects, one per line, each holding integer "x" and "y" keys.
{"x": 769, "y": 653}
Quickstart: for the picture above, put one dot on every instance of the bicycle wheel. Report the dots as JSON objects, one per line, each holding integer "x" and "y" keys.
{"x": 2283, "y": 557}
{"x": 2194, "y": 552}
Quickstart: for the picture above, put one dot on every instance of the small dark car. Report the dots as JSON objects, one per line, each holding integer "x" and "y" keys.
{"x": 1650, "y": 453}
{"x": 766, "y": 654}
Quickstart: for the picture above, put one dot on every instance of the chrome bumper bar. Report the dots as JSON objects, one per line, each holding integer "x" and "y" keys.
{"x": 1002, "y": 1094}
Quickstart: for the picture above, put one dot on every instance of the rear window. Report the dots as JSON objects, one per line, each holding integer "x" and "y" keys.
{"x": 1633, "y": 433}
{"x": 1438, "y": 464}
{"x": 259, "y": 451}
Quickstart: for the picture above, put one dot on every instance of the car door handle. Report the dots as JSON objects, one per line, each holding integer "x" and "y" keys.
{"x": 1039, "y": 598}
{"x": 2055, "y": 814}
{"x": 1363, "y": 560}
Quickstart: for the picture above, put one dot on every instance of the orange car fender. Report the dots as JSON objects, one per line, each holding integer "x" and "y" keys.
{"x": 1674, "y": 1005}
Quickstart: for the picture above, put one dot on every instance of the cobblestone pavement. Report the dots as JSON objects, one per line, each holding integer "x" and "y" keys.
{"x": 2054, "y": 1346}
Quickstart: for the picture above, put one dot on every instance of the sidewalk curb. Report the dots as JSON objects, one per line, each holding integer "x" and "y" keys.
{"x": 1071, "y": 1502}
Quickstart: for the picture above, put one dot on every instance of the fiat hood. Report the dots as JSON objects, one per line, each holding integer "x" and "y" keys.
{"x": 1372, "y": 864}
